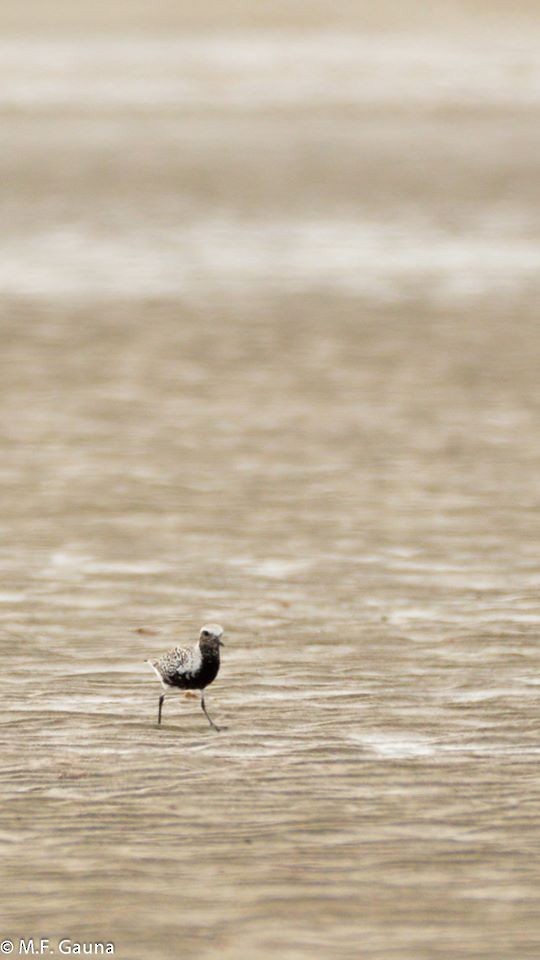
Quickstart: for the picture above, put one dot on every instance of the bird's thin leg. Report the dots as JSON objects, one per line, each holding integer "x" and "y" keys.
{"x": 161, "y": 699}
{"x": 208, "y": 717}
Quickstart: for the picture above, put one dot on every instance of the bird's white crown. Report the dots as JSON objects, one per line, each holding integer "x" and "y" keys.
{"x": 213, "y": 629}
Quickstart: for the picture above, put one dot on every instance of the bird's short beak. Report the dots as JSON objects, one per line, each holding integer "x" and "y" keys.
{"x": 220, "y": 643}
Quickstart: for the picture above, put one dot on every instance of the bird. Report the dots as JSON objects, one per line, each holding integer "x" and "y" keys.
{"x": 190, "y": 668}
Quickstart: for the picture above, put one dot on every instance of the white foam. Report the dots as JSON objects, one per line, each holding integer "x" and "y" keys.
{"x": 394, "y": 745}
{"x": 386, "y": 261}
{"x": 254, "y": 69}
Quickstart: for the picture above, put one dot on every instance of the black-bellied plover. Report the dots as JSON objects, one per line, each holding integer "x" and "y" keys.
{"x": 190, "y": 668}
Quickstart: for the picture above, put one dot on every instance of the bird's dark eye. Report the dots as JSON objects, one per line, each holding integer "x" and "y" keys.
{"x": 205, "y": 633}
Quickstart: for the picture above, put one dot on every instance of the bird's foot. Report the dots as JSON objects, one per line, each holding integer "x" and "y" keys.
{"x": 214, "y": 726}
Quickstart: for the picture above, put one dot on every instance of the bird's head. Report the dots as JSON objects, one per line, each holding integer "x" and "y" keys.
{"x": 210, "y": 637}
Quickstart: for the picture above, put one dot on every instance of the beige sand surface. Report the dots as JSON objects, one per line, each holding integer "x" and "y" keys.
{"x": 270, "y": 356}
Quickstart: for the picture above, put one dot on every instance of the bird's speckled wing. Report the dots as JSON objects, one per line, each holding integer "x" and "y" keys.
{"x": 177, "y": 665}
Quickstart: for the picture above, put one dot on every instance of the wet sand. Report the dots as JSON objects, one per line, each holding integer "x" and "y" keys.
{"x": 270, "y": 357}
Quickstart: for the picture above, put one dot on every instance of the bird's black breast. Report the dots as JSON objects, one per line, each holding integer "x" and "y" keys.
{"x": 199, "y": 679}
{"x": 211, "y": 670}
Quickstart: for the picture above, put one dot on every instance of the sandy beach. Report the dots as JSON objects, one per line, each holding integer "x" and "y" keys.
{"x": 270, "y": 355}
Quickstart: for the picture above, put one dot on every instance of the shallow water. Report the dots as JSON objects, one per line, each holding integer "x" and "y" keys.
{"x": 272, "y": 361}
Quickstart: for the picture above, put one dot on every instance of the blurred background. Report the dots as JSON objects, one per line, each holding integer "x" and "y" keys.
{"x": 269, "y": 284}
